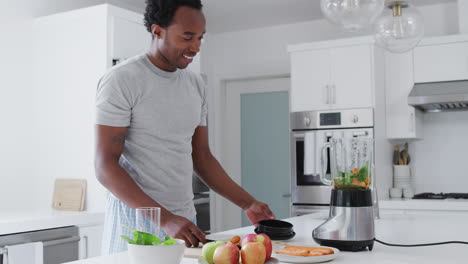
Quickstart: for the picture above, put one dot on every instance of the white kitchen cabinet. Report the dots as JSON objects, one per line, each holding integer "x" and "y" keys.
{"x": 326, "y": 77}
{"x": 403, "y": 121}
{"x": 310, "y": 77}
{"x": 441, "y": 59}
{"x": 352, "y": 77}
{"x": 90, "y": 241}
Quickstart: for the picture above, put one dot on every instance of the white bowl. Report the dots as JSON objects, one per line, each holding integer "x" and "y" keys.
{"x": 171, "y": 254}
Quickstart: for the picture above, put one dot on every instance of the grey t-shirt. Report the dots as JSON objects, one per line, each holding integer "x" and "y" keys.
{"x": 161, "y": 110}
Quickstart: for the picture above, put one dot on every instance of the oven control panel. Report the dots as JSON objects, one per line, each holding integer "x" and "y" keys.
{"x": 346, "y": 118}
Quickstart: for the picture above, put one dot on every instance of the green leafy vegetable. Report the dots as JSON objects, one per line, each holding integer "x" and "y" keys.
{"x": 130, "y": 241}
{"x": 169, "y": 242}
{"x": 142, "y": 238}
{"x": 363, "y": 173}
{"x": 354, "y": 179}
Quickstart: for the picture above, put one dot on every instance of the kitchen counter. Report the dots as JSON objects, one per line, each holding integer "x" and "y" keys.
{"x": 24, "y": 221}
{"x": 392, "y": 228}
{"x": 460, "y": 205}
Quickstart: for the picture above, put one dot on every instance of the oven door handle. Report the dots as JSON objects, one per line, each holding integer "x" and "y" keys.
{"x": 360, "y": 133}
{"x": 299, "y": 135}
{"x": 324, "y": 159}
{"x": 61, "y": 241}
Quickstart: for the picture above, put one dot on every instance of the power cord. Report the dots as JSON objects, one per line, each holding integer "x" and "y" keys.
{"x": 421, "y": 245}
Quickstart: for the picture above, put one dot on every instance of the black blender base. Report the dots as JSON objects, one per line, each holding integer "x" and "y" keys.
{"x": 346, "y": 245}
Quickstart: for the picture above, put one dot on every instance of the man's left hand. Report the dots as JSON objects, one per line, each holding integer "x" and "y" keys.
{"x": 258, "y": 211}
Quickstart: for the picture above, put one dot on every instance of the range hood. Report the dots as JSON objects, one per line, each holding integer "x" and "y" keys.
{"x": 440, "y": 96}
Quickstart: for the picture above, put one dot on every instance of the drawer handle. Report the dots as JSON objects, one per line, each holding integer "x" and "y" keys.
{"x": 61, "y": 241}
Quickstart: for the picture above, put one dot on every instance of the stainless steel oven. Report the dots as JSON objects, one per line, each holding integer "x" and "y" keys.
{"x": 310, "y": 131}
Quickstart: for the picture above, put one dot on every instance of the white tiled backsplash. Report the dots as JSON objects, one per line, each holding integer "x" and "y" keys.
{"x": 440, "y": 160}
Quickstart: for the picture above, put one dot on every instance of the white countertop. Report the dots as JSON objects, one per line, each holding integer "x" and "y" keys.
{"x": 422, "y": 204}
{"x": 393, "y": 228}
{"x": 31, "y": 220}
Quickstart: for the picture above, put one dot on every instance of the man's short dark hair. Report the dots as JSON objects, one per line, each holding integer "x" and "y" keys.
{"x": 161, "y": 12}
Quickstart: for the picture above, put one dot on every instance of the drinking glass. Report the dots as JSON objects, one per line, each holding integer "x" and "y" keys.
{"x": 148, "y": 220}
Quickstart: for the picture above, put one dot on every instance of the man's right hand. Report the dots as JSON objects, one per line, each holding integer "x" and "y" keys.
{"x": 180, "y": 227}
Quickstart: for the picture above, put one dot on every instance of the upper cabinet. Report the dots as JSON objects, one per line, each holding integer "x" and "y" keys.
{"x": 435, "y": 59}
{"x": 441, "y": 59}
{"x": 403, "y": 121}
{"x": 310, "y": 80}
{"x": 352, "y": 77}
{"x": 331, "y": 75}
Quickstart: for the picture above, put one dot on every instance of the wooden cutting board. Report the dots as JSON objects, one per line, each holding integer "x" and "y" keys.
{"x": 193, "y": 252}
{"x": 69, "y": 194}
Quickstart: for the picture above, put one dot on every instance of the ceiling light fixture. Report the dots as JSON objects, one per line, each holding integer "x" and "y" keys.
{"x": 352, "y": 15}
{"x": 400, "y": 28}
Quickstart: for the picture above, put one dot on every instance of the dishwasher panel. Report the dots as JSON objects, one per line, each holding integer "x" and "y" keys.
{"x": 60, "y": 244}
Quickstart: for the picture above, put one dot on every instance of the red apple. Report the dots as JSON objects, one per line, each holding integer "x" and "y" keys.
{"x": 248, "y": 238}
{"x": 262, "y": 238}
{"x": 226, "y": 254}
{"x": 253, "y": 253}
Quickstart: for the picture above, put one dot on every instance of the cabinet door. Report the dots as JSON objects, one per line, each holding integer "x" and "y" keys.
{"x": 351, "y": 77}
{"x": 90, "y": 241}
{"x": 310, "y": 76}
{"x": 403, "y": 121}
{"x": 444, "y": 62}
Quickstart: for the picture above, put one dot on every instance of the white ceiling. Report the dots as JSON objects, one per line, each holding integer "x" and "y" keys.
{"x": 233, "y": 15}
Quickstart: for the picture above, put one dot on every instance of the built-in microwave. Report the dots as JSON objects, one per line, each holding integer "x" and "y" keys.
{"x": 309, "y": 132}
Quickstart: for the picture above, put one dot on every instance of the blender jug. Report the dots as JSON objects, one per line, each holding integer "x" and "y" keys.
{"x": 351, "y": 162}
{"x": 350, "y": 225}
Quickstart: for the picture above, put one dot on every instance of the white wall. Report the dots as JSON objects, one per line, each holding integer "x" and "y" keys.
{"x": 17, "y": 138}
{"x": 440, "y": 159}
{"x": 262, "y": 52}
{"x": 24, "y": 181}
{"x": 71, "y": 55}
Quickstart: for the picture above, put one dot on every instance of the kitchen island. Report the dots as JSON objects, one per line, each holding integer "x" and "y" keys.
{"x": 397, "y": 227}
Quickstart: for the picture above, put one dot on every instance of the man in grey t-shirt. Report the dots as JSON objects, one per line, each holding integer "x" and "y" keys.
{"x": 151, "y": 131}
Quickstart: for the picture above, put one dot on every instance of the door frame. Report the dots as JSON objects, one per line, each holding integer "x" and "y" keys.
{"x": 228, "y": 214}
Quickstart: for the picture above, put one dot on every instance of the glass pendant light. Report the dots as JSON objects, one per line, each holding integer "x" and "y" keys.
{"x": 400, "y": 28}
{"x": 352, "y": 15}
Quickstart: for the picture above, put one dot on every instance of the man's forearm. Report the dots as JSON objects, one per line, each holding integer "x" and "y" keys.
{"x": 212, "y": 173}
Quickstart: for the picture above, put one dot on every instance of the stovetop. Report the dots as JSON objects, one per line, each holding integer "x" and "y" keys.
{"x": 441, "y": 196}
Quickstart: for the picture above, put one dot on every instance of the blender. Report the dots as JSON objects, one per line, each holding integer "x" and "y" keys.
{"x": 350, "y": 226}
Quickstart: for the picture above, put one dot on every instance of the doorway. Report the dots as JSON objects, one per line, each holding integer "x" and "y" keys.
{"x": 256, "y": 143}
